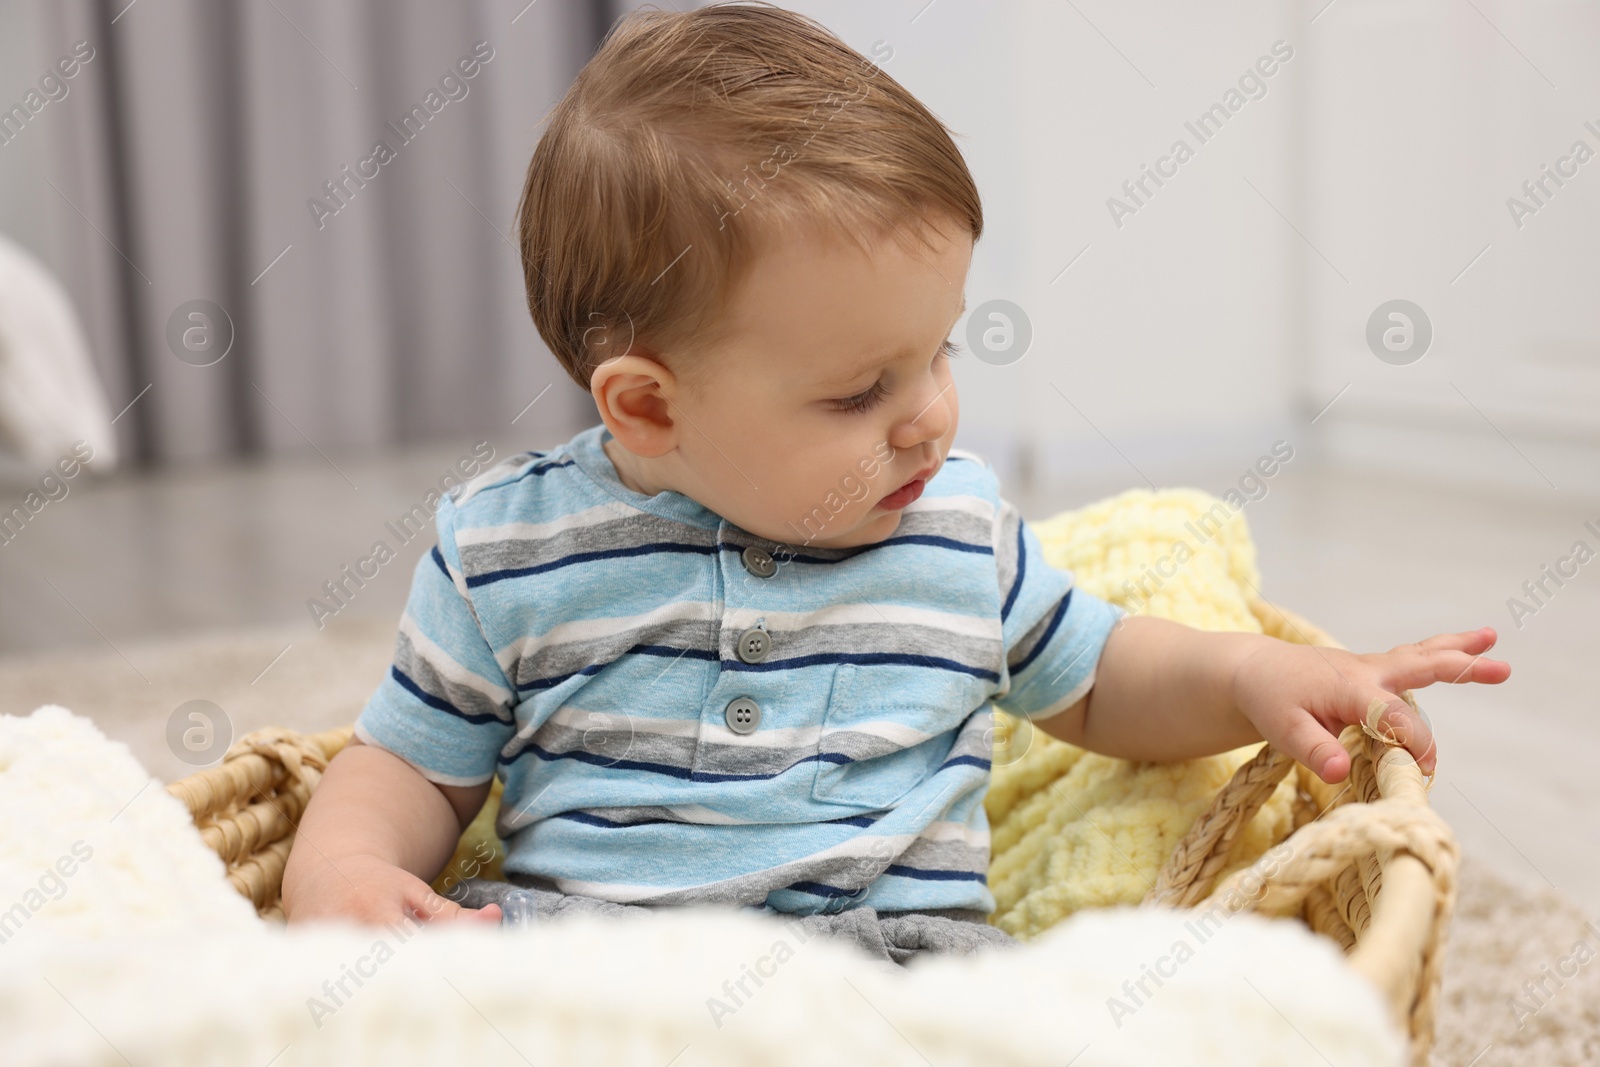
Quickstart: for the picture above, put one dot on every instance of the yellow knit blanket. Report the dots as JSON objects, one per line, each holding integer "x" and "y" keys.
{"x": 1072, "y": 829}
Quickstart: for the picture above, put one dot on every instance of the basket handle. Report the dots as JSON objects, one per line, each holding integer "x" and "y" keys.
{"x": 1402, "y": 949}
{"x": 1186, "y": 877}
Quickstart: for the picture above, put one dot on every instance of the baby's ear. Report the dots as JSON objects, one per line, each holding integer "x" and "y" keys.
{"x": 634, "y": 394}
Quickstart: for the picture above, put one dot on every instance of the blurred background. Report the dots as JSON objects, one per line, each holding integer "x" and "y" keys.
{"x": 270, "y": 359}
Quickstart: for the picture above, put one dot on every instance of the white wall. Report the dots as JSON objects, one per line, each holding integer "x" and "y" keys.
{"x": 1428, "y": 116}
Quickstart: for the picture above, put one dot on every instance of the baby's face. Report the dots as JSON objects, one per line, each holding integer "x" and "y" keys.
{"x": 829, "y": 402}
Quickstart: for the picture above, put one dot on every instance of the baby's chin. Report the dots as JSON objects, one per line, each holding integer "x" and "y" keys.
{"x": 875, "y": 527}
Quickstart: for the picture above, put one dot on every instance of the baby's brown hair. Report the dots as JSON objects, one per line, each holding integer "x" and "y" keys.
{"x": 688, "y": 138}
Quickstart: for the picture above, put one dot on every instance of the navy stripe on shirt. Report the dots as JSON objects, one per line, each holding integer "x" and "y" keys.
{"x": 1044, "y": 641}
{"x": 475, "y": 580}
{"x": 782, "y": 555}
{"x": 436, "y": 701}
{"x": 934, "y": 875}
{"x": 865, "y": 659}
{"x": 1016, "y": 584}
{"x": 667, "y": 769}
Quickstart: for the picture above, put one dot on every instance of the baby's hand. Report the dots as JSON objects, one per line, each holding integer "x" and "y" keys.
{"x": 368, "y": 890}
{"x": 1300, "y": 697}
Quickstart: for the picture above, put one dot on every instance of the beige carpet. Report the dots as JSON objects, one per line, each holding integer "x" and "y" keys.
{"x": 1504, "y": 935}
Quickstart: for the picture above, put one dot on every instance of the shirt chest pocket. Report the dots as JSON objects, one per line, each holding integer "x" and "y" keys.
{"x": 880, "y": 740}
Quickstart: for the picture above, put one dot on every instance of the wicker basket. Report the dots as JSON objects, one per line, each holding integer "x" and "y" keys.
{"x": 1370, "y": 865}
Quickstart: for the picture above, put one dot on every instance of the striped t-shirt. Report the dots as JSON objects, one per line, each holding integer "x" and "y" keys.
{"x": 584, "y": 642}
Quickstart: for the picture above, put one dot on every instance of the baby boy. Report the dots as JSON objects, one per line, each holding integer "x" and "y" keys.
{"x": 741, "y": 644}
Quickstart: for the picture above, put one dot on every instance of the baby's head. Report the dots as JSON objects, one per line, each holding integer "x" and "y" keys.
{"x": 750, "y": 244}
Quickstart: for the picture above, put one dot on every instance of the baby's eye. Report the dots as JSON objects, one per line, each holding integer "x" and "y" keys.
{"x": 862, "y": 401}
{"x": 870, "y": 397}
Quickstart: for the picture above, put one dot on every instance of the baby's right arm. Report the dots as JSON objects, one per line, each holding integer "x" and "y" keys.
{"x": 374, "y": 832}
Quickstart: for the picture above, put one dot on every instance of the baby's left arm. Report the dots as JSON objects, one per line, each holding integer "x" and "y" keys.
{"x": 1164, "y": 691}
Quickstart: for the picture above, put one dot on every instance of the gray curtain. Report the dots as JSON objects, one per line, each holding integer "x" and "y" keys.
{"x": 201, "y": 136}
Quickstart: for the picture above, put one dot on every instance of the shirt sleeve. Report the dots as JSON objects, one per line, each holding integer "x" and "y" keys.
{"x": 445, "y": 706}
{"x": 1053, "y": 632}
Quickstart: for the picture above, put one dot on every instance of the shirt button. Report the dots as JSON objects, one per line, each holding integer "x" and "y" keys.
{"x": 754, "y": 644}
{"x": 758, "y": 562}
{"x": 743, "y": 715}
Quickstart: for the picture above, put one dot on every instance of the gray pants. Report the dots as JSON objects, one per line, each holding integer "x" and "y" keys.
{"x": 895, "y": 936}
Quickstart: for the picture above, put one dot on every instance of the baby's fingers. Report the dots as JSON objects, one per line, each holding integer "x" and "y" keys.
{"x": 428, "y": 906}
{"x": 1393, "y": 721}
{"x": 1309, "y": 742}
{"x": 1413, "y": 671}
{"x": 1472, "y": 642}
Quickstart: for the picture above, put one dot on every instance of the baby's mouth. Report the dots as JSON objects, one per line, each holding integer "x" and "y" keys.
{"x": 910, "y": 491}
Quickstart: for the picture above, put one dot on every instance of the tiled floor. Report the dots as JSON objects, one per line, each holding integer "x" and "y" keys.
{"x": 1376, "y": 562}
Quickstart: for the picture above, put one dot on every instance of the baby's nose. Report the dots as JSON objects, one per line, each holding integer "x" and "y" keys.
{"x": 928, "y": 424}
